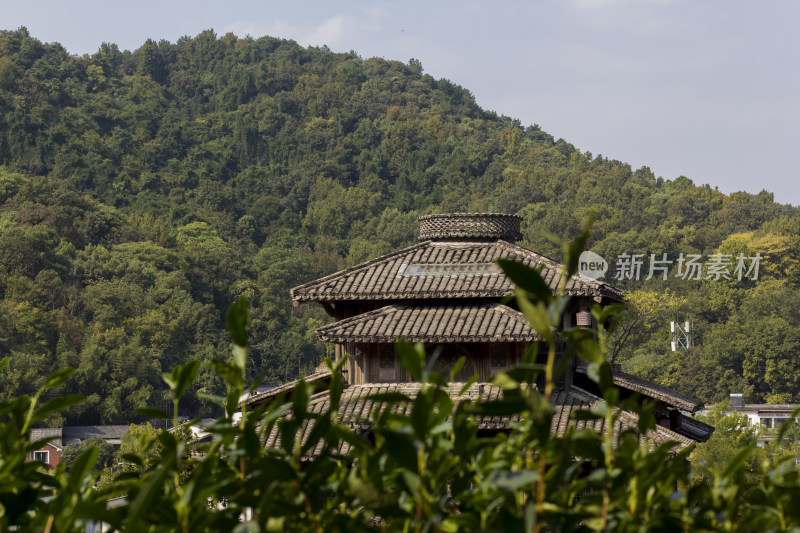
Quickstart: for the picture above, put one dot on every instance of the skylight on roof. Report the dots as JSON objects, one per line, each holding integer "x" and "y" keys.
{"x": 451, "y": 269}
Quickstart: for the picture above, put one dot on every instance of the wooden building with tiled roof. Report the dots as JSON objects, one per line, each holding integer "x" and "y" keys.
{"x": 448, "y": 292}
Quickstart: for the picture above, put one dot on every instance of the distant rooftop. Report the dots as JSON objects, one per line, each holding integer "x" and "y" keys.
{"x": 765, "y": 408}
{"x": 111, "y": 434}
{"x": 54, "y": 434}
{"x": 737, "y": 404}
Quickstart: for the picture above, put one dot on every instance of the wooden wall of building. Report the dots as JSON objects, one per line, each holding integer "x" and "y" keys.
{"x": 379, "y": 362}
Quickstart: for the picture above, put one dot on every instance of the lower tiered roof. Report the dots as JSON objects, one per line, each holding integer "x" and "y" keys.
{"x": 358, "y": 407}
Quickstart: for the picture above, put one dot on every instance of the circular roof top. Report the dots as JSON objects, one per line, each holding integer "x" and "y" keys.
{"x": 489, "y": 226}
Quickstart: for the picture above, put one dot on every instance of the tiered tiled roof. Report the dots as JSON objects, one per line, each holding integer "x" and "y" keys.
{"x": 431, "y": 323}
{"x": 442, "y": 269}
{"x": 356, "y": 410}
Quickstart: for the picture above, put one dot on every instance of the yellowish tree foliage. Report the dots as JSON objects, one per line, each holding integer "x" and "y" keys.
{"x": 777, "y": 260}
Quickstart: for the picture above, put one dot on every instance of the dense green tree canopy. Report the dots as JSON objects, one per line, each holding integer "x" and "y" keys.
{"x": 143, "y": 191}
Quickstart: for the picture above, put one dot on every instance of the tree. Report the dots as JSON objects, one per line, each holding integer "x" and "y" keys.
{"x": 141, "y": 190}
{"x": 644, "y": 312}
{"x": 732, "y": 434}
{"x": 106, "y": 454}
{"x": 140, "y": 441}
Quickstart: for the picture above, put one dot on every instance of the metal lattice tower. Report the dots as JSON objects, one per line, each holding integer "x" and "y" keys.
{"x": 681, "y": 336}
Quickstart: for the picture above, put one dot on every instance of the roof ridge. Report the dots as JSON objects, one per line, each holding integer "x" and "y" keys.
{"x": 514, "y": 246}
{"x": 469, "y": 214}
{"x": 354, "y": 268}
{"x": 288, "y": 386}
{"x": 505, "y": 309}
{"x": 367, "y": 314}
{"x": 578, "y": 391}
{"x": 631, "y": 416}
{"x": 689, "y": 403}
{"x": 585, "y": 279}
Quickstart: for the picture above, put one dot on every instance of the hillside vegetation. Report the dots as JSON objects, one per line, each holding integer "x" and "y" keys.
{"x": 141, "y": 192}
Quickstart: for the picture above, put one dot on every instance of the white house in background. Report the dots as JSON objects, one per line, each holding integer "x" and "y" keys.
{"x": 766, "y": 415}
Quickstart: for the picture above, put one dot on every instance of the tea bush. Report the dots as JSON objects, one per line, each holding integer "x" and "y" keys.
{"x": 428, "y": 470}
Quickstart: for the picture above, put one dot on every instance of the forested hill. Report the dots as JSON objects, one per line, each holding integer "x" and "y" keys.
{"x": 142, "y": 192}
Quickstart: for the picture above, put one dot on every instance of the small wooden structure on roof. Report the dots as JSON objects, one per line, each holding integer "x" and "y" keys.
{"x": 448, "y": 292}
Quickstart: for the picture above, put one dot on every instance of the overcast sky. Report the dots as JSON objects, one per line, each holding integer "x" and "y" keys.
{"x": 708, "y": 89}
